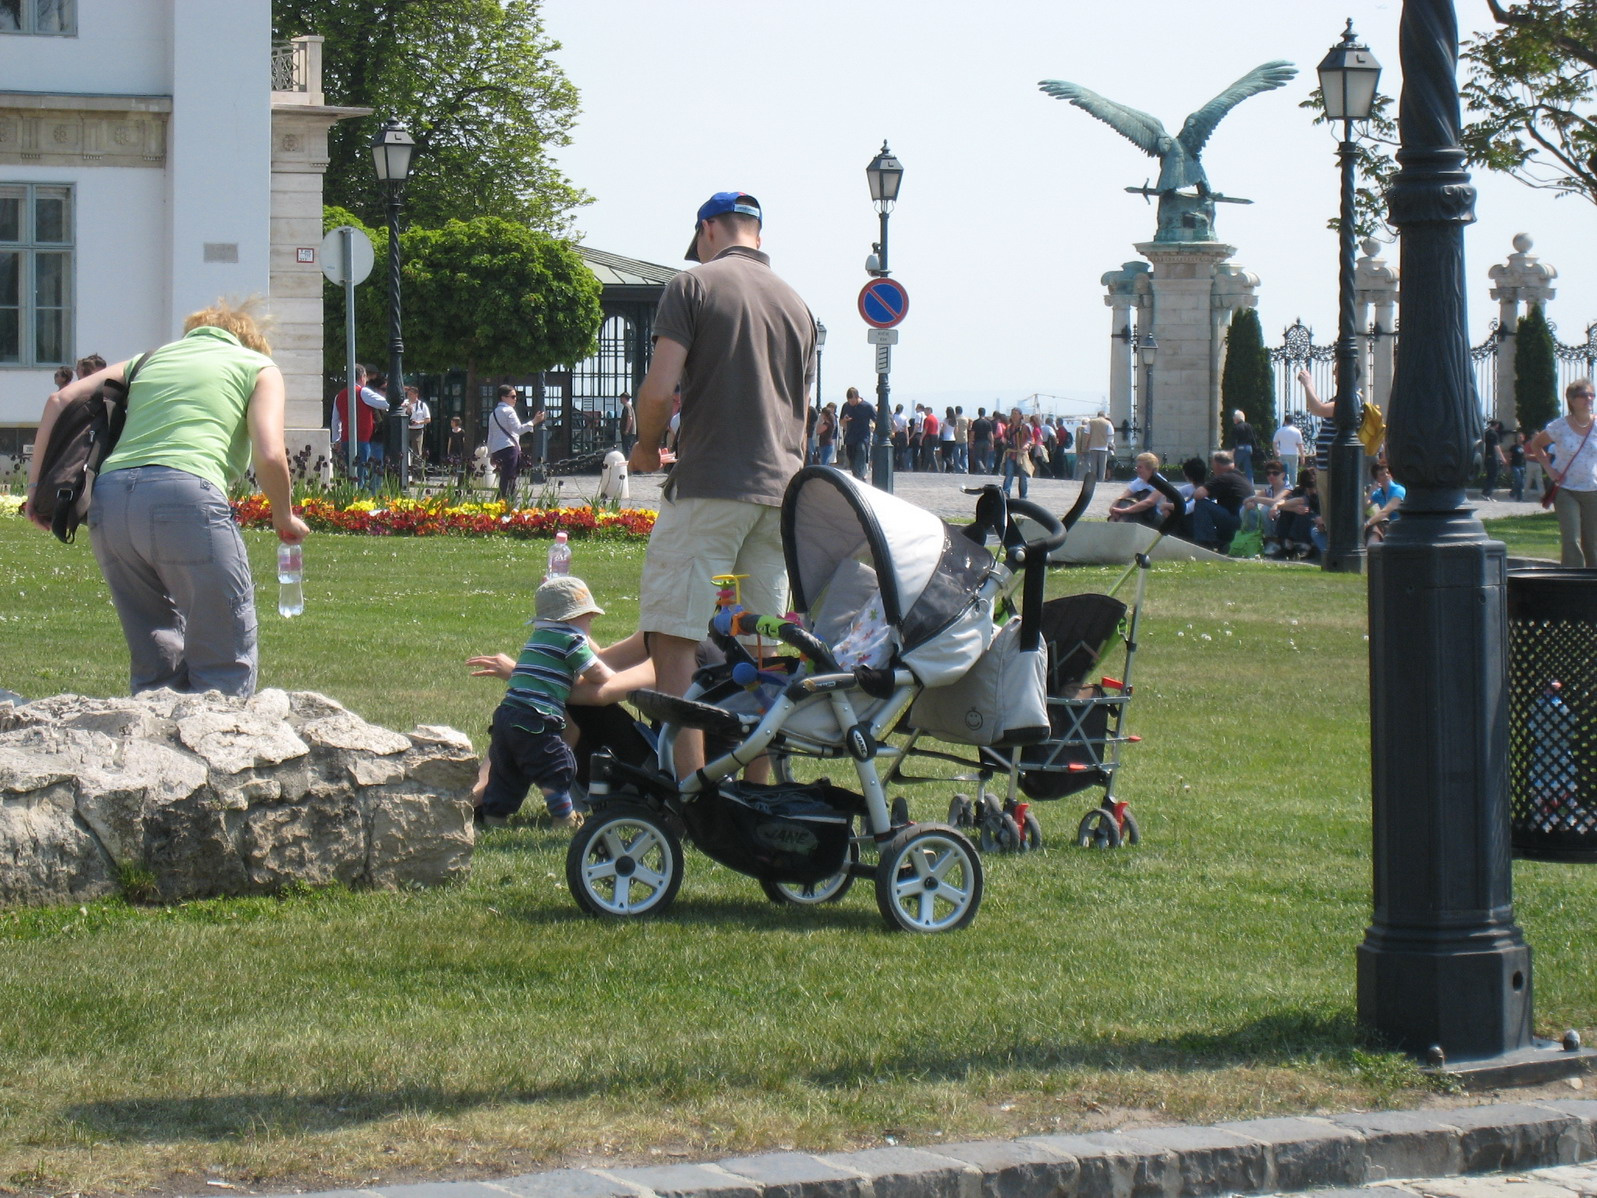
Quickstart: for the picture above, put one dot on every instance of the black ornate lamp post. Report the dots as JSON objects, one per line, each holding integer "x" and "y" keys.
{"x": 1147, "y": 351}
{"x": 1444, "y": 972}
{"x": 1348, "y": 76}
{"x": 392, "y": 152}
{"x": 884, "y": 174}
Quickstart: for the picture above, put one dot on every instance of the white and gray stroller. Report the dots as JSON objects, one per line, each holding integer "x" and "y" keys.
{"x": 892, "y": 603}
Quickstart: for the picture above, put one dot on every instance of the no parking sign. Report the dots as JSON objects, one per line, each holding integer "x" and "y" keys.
{"x": 883, "y": 303}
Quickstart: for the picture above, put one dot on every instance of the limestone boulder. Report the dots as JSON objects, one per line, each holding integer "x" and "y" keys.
{"x": 207, "y": 796}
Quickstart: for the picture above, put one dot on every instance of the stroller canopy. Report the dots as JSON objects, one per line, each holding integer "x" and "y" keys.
{"x": 928, "y": 574}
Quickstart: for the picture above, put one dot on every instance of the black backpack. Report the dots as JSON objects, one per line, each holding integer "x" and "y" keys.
{"x": 83, "y": 436}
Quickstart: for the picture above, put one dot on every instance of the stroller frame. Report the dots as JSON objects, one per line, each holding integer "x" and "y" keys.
{"x": 1087, "y": 732}
{"x": 627, "y": 858}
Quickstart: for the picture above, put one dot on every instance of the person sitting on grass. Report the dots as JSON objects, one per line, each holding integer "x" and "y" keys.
{"x": 1298, "y": 525}
{"x": 1217, "y": 504}
{"x": 526, "y": 745}
{"x": 1141, "y": 503}
{"x": 1385, "y": 499}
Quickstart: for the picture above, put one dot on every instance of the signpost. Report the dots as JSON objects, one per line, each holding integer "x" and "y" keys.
{"x": 347, "y": 260}
{"x": 882, "y": 304}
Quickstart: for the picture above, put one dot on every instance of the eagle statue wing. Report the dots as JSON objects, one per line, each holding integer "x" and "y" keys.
{"x": 1145, "y": 131}
{"x": 1200, "y": 124}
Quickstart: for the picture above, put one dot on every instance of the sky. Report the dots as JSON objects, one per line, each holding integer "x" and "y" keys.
{"x": 1012, "y": 205}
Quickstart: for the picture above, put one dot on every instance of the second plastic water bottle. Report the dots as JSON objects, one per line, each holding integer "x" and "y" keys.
{"x": 559, "y": 557}
{"x": 290, "y": 580}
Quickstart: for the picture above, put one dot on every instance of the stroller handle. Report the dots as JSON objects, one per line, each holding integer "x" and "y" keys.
{"x": 1054, "y": 529}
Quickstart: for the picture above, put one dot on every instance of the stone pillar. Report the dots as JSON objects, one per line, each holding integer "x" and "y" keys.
{"x": 1375, "y": 287}
{"x": 1186, "y": 383}
{"x": 1123, "y": 297}
{"x": 1233, "y": 288}
{"x": 1521, "y": 280}
{"x": 300, "y": 122}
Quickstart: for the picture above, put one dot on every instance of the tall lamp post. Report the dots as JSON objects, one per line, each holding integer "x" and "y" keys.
{"x": 392, "y": 152}
{"x": 1147, "y": 351}
{"x": 820, "y": 344}
{"x": 1348, "y": 75}
{"x": 884, "y": 175}
{"x": 1444, "y": 972}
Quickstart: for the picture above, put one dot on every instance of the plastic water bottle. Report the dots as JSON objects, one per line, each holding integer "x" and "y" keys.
{"x": 290, "y": 580}
{"x": 559, "y": 556}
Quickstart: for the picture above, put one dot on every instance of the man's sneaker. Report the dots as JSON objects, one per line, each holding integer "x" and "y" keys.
{"x": 483, "y": 820}
{"x": 570, "y": 822}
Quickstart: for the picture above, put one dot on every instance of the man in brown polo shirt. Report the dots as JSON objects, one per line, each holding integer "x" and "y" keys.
{"x": 741, "y": 343}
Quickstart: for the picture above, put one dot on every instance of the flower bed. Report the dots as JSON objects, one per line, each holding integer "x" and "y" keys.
{"x": 438, "y": 517}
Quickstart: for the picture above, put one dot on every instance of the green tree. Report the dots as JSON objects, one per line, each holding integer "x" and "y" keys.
{"x": 1535, "y": 372}
{"x": 1373, "y": 167}
{"x": 474, "y": 83}
{"x": 488, "y": 296}
{"x": 1247, "y": 382}
{"x": 1530, "y": 100}
{"x": 1530, "y": 95}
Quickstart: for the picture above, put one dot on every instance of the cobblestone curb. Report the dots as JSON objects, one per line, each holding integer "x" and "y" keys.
{"x": 1335, "y": 1155}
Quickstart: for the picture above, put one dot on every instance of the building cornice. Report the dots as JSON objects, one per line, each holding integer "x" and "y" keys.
{"x": 59, "y": 129}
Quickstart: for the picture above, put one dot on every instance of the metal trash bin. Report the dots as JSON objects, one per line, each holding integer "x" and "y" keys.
{"x": 1552, "y": 713}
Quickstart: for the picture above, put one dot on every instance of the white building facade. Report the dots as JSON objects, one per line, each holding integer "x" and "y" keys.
{"x": 147, "y": 167}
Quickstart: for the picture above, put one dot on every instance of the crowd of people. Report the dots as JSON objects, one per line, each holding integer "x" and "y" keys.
{"x": 1012, "y": 446}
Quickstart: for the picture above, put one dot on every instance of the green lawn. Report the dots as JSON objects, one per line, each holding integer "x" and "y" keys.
{"x": 334, "y": 1038}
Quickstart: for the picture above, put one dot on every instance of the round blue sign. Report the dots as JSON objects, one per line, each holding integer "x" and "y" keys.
{"x": 883, "y": 303}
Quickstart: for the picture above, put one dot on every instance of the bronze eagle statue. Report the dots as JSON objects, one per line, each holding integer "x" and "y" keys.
{"x": 1180, "y": 164}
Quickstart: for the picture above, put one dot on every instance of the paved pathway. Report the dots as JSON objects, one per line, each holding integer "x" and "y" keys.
{"x": 941, "y": 493}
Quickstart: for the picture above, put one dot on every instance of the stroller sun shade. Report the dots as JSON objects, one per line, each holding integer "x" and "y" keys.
{"x": 928, "y": 574}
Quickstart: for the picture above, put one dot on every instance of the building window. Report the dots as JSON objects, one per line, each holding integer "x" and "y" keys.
{"x": 35, "y": 274}
{"x": 39, "y": 16}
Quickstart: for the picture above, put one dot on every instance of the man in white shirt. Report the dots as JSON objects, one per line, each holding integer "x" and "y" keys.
{"x": 420, "y": 417}
{"x": 1288, "y": 443}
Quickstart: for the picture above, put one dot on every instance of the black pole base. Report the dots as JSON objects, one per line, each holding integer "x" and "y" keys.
{"x": 882, "y": 466}
{"x": 1466, "y": 1004}
{"x": 1443, "y": 963}
{"x": 1345, "y": 550}
{"x": 1544, "y": 1061}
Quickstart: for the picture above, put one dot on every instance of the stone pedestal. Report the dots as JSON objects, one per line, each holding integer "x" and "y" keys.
{"x": 1184, "y": 387}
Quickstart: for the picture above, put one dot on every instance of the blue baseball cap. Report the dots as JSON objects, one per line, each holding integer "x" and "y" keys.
{"x": 720, "y": 204}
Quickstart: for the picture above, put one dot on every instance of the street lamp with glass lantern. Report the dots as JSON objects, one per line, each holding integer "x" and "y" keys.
{"x": 1147, "y": 351}
{"x": 884, "y": 174}
{"x": 1348, "y": 76}
{"x": 393, "y": 150}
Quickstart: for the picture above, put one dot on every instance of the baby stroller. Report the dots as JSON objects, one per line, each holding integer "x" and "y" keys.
{"x": 1079, "y": 747}
{"x": 891, "y": 603}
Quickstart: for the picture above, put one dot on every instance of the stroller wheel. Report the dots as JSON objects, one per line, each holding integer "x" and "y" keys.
{"x": 1129, "y": 832}
{"x": 961, "y": 813}
{"x": 1030, "y": 834}
{"x": 999, "y": 833}
{"x": 810, "y": 894}
{"x": 1098, "y": 830}
{"x": 900, "y": 811}
{"x": 929, "y": 880}
{"x": 624, "y": 861}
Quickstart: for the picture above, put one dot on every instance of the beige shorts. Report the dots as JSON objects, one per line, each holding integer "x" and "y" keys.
{"x": 693, "y": 541}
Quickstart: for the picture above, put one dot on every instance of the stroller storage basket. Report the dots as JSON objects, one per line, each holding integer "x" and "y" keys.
{"x": 789, "y": 832}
